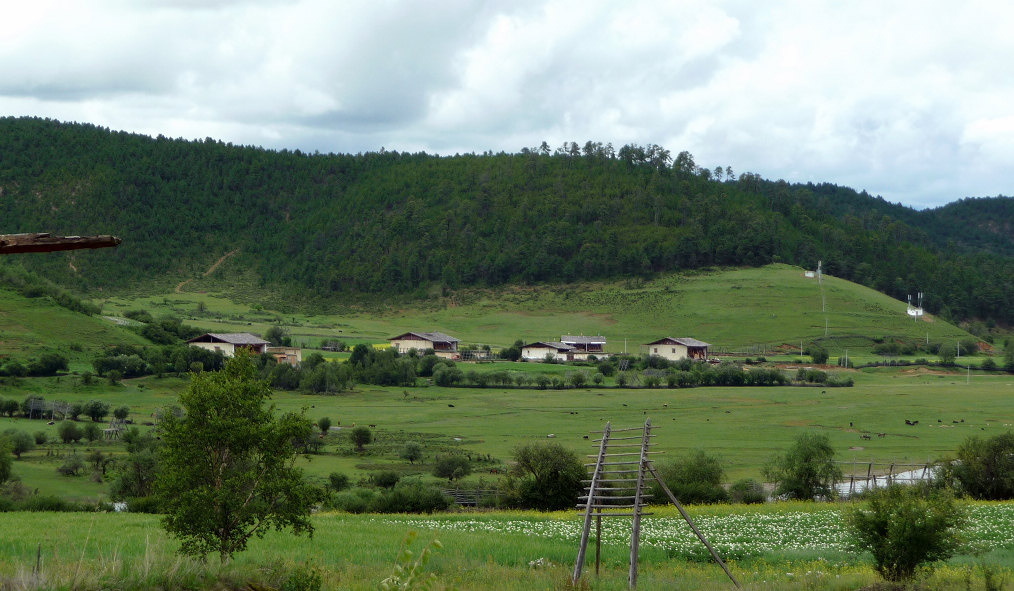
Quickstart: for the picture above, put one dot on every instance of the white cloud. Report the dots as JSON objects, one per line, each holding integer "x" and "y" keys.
{"x": 911, "y": 100}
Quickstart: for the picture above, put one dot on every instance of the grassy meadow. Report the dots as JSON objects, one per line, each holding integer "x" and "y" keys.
{"x": 742, "y": 312}
{"x": 791, "y": 546}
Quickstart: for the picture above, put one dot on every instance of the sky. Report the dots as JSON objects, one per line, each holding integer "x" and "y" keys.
{"x": 910, "y": 100}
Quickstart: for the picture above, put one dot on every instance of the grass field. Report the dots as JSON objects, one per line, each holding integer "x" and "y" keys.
{"x": 791, "y": 546}
{"x": 495, "y": 420}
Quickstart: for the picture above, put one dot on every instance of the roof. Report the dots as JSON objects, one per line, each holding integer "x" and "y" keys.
{"x": 233, "y": 338}
{"x": 550, "y": 345}
{"x": 433, "y": 337}
{"x": 685, "y": 341}
{"x": 582, "y": 339}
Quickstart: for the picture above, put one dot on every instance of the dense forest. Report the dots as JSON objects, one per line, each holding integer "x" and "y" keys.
{"x": 389, "y": 222}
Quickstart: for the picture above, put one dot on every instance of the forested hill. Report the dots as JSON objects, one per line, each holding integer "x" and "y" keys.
{"x": 389, "y": 222}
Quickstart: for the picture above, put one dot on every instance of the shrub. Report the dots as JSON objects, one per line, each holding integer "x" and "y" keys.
{"x": 361, "y": 435}
{"x": 353, "y": 501}
{"x": 9, "y": 407}
{"x": 386, "y": 479}
{"x": 96, "y": 409}
{"x": 336, "y": 481}
{"x": 40, "y": 437}
{"x": 69, "y": 432}
{"x": 324, "y": 424}
{"x": 48, "y": 364}
{"x": 818, "y": 354}
{"x": 122, "y": 413}
{"x": 410, "y": 497}
{"x": 747, "y": 491}
{"x": 545, "y": 476}
{"x": 92, "y": 432}
{"x": 452, "y": 467}
{"x": 695, "y": 479}
{"x": 806, "y": 470}
{"x": 985, "y": 467}
{"x": 6, "y": 460}
{"x": 21, "y": 442}
{"x": 412, "y": 451}
{"x": 71, "y": 466}
{"x": 905, "y": 527}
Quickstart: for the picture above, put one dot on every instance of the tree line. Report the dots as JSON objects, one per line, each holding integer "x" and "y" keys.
{"x": 332, "y": 225}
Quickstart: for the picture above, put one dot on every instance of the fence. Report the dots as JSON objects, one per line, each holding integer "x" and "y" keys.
{"x": 861, "y": 476}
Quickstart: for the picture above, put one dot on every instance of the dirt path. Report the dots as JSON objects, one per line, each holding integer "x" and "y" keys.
{"x": 211, "y": 269}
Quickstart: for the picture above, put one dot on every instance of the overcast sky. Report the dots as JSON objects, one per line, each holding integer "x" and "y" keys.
{"x": 913, "y": 101}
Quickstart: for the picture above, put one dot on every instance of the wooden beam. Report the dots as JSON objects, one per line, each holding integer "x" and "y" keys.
{"x": 46, "y": 242}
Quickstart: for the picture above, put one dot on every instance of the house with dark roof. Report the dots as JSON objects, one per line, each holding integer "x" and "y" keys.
{"x": 675, "y": 349}
{"x": 443, "y": 345}
{"x": 541, "y": 350}
{"x": 229, "y": 342}
{"x": 585, "y": 347}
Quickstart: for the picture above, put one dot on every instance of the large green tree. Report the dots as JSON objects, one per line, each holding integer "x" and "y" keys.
{"x": 807, "y": 469}
{"x": 227, "y": 471}
{"x": 546, "y": 476}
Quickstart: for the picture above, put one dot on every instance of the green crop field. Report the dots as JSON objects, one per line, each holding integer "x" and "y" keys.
{"x": 791, "y": 546}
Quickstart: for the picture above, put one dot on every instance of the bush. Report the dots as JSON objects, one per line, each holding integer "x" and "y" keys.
{"x": 806, "y": 470}
{"x": 353, "y": 501}
{"x": 92, "y": 432}
{"x": 905, "y": 527}
{"x": 6, "y": 459}
{"x": 452, "y": 467}
{"x": 71, "y": 466}
{"x": 545, "y": 476}
{"x": 324, "y": 424}
{"x": 747, "y": 491}
{"x": 336, "y": 481}
{"x": 410, "y": 497}
{"x": 695, "y": 479}
{"x": 40, "y": 437}
{"x": 21, "y": 442}
{"x": 412, "y": 451}
{"x": 69, "y": 432}
{"x": 48, "y": 364}
{"x": 361, "y": 435}
{"x": 818, "y": 354}
{"x": 96, "y": 409}
{"x": 386, "y": 479}
{"x": 985, "y": 468}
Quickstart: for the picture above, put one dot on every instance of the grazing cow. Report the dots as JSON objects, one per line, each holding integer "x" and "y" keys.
{"x": 881, "y": 434}
{"x": 451, "y": 405}
{"x": 865, "y": 436}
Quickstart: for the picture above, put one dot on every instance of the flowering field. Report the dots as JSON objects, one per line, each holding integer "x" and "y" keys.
{"x": 735, "y": 535}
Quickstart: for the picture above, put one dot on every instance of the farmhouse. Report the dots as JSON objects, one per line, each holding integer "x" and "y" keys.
{"x": 443, "y": 345}
{"x": 291, "y": 355}
{"x": 585, "y": 346}
{"x": 227, "y": 343}
{"x": 681, "y": 348}
{"x": 554, "y": 349}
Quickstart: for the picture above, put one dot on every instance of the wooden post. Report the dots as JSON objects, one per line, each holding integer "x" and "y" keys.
{"x": 46, "y": 242}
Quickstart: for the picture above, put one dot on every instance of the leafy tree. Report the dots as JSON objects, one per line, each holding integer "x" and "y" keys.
{"x": 905, "y": 527}
{"x": 9, "y": 407}
{"x": 336, "y": 481}
{"x": 91, "y": 432}
{"x": 40, "y": 437}
{"x": 806, "y": 470}
{"x": 412, "y": 451}
{"x": 985, "y": 467}
{"x": 324, "y": 424}
{"x": 361, "y": 435}
{"x": 96, "y": 410}
{"x": 69, "y": 432}
{"x": 6, "y": 459}
{"x": 694, "y": 479}
{"x": 386, "y": 479}
{"x": 546, "y": 476}
{"x": 114, "y": 376}
{"x": 121, "y": 413}
{"x": 818, "y": 354}
{"x": 71, "y": 466}
{"x": 278, "y": 337}
{"x": 227, "y": 471}
{"x": 452, "y": 467}
{"x": 21, "y": 442}
{"x": 48, "y": 364}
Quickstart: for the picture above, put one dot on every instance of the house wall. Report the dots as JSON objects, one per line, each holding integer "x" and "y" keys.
{"x": 407, "y": 344}
{"x": 539, "y": 353}
{"x": 670, "y": 351}
{"x": 227, "y": 349}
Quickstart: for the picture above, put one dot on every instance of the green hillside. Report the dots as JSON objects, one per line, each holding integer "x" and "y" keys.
{"x": 31, "y": 326}
{"x": 323, "y": 229}
{"x": 736, "y": 309}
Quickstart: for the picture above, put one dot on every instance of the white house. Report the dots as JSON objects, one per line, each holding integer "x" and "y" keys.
{"x": 227, "y": 343}
{"x": 554, "y": 349}
{"x": 679, "y": 348}
{"x": 443, "y": 345}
